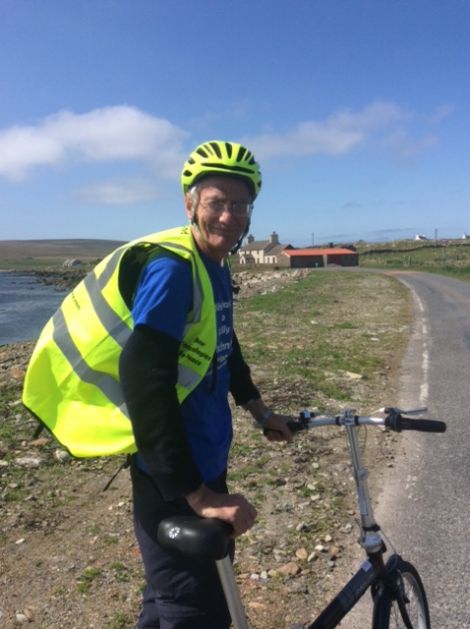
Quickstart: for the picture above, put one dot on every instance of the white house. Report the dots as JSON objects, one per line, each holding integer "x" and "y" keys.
{"x": 261, "y": 251}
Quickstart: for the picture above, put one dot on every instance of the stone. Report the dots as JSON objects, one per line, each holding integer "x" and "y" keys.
{"x": 301, "y": 553}
{"x": 61, "y": 455}
{"x": 28, "y": 461}
{"x": 352, "y": 376}
{"x": 289, "y": 569}
{"x": 21, "y": 618}
{"x": 39, "y": 443}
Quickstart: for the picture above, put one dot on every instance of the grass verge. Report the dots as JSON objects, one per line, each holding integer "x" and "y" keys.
{"x": 452, "y": 260}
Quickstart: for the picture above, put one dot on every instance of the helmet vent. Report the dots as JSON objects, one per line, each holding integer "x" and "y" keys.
{"x": 228, "y": 148}
{"x": 201, "y": 152}
{"x": 217, "y": 150}
{"x": 241, "y": 153}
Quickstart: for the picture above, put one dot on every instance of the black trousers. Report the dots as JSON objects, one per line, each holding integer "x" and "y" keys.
{"x": 180, "y": 593}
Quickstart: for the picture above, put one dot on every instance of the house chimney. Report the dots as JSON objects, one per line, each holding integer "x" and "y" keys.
{"x": 250, "y": 238}
{"x": 274, "y": 238}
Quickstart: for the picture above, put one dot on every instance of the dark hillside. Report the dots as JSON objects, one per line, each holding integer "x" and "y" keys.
{"x": 31, "y": 254}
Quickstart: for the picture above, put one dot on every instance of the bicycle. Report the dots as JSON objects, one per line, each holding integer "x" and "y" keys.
{"x": 399, "y": 598}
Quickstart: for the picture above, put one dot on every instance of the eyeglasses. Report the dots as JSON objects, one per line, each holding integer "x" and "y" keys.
{"x": 239, "y": 209}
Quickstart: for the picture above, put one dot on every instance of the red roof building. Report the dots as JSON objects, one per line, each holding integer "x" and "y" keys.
{"x": 318, "y": 257}
{"x": 271, "y": 251}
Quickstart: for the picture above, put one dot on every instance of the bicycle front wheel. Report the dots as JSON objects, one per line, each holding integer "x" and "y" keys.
{"x": 403, "y": 588}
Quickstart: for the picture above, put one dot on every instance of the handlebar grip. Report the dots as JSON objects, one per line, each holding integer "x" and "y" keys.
{"x": 398, "y": 423}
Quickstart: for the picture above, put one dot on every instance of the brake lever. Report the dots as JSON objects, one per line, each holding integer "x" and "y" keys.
{"x": 415, "y": 411}
{"x": 393, "y": 410}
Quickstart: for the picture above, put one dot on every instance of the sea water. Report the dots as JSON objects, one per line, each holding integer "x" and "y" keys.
{"x": 25, "y": 307}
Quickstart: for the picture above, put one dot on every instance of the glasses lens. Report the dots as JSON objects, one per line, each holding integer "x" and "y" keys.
{"x": 240, "y": 209}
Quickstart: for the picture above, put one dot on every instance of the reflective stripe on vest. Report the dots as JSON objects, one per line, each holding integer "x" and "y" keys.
{"x": 72, "y": 384}
{"x": 109, "y": 386}
{"x": 118, "y": 330}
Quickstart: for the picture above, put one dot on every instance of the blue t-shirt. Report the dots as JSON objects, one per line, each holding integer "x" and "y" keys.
{"x": 163, "y": 300}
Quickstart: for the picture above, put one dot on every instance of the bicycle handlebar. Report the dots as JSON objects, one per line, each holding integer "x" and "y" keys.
{"x": 393, "y": 420}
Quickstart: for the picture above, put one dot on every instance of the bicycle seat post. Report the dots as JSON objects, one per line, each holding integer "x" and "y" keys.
{"x": 232, "y": 593}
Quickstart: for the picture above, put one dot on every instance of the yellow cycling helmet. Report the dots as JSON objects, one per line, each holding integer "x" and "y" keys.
{"x": 217, "y": 157}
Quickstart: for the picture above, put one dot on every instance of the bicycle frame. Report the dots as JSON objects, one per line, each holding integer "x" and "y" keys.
{"x": 371, "y": 541}
{"x": 371, "y": 570}
{"x": 208, "y": 538}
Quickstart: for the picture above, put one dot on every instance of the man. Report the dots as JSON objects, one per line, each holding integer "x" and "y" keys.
{"x": 148, "y": 337}
{"x": 183, "y": 447}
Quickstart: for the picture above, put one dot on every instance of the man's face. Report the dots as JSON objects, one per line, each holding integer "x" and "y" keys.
{"x": 220, "y": 215}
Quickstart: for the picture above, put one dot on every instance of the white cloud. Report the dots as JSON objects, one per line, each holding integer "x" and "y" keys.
{"x": 440, "y": 113}
{"x": 22, "y": 148}
{"x": 340, "y": 133}
{"x": 125, "y": 133}
{"x": 408, "y": 142}
{"x": 124, "y": 192}
{"x": 306, "y": 138}
{"x": 107, "y": 134}
{"x": 407, "y": 146}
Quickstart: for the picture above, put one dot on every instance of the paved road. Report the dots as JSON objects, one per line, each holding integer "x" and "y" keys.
{"x": 425, "y": 505}
{"x": 429, "y": 498}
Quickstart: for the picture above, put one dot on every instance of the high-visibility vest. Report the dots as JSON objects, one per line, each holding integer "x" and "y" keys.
{"x": 72, "y": 383}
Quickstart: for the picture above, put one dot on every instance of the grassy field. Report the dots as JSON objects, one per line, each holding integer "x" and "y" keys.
{"x": 452, "y": 259}
{"x": 319, "y": 336}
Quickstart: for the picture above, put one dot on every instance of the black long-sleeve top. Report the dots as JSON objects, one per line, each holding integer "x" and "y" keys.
{"x": 148, "y": 372}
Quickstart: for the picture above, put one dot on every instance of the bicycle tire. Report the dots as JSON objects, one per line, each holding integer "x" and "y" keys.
{"x": 387, "y": 614}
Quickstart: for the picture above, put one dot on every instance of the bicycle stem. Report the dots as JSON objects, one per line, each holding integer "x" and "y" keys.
{"x": 370, "y": 540}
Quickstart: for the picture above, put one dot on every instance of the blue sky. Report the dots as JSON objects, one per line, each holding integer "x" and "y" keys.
{"x": 357, "y": 110}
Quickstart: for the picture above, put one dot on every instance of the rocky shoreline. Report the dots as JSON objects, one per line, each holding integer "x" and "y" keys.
{"x": 61, "y": 279}
{"x": 248, "y": 282}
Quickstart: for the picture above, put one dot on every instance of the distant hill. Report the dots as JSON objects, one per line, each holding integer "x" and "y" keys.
{"x": 25, "y": 254}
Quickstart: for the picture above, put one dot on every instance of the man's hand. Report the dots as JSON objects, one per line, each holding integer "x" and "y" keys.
{"x": 274, "y": 425}
{"x": 232, "y": 508}
{"x": 276, "y": 429}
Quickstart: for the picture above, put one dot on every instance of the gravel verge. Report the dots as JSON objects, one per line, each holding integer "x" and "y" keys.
{"x": 68, "y": 555}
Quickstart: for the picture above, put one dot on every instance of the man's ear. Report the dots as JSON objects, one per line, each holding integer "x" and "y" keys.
{"x": 188, "y": 207}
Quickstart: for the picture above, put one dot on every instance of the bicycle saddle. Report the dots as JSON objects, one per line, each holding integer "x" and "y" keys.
{"x": 200, "y": 538}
